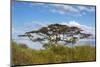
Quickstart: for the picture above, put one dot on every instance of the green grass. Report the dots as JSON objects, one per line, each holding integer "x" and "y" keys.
{"x": 22, "y": 54}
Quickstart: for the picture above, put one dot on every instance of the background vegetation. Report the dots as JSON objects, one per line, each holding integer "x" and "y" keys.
{"x": 21, "y": 54}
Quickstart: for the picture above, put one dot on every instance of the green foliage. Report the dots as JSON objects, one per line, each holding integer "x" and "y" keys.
{"x": 53, "y": 54}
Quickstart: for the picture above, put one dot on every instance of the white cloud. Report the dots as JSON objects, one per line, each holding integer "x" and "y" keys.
{"x": 72, "y": 10}
{"x": 63, "y": 9}
{"x": 87, "y": 29}
{"x": 74, "y": 23}
{"x": 56, "y": 11}
{"x": 71, "y": 23}
{"x": 84, "y": 8}
{"x": 68, "y": 8}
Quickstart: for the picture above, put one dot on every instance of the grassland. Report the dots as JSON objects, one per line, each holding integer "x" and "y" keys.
{"x": 21, "y": 54}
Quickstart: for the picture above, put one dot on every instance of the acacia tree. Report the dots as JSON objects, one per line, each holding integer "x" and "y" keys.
{"x": 54, "y": 33}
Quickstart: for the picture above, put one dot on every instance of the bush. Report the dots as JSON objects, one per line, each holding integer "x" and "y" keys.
{"x": 52, "y": 54}
{"x": 84, "y": 53}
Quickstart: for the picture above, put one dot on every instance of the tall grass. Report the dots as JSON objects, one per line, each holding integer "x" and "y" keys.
{"x": 22, "y": 54}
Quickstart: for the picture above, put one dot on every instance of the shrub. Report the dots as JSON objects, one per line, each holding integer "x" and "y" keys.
{"x": 52, "y": 54}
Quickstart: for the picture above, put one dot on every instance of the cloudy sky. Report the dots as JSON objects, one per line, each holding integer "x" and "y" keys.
{"x": 27, "y": 16}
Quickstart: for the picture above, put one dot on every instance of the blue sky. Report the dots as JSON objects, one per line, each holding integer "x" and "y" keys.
{"x": 27, "y": 16}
